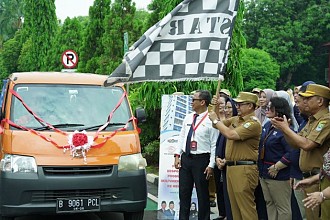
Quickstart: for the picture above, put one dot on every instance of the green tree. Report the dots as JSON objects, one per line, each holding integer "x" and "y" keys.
{"x": 159, "y": 9}
{"x": 292, "y": 32}
{"x": 69, "y": 37}
{"x": 116, "y": 23}
{"x": 40, "y": 26}
{"x": 259, "y": 69}
{"x": 92, "y": 47}
{"x": 25, "y": 61}
{"x": 11, "y": 18}
{"x": 316, "y": 20}
{"x": 9, "y": 55}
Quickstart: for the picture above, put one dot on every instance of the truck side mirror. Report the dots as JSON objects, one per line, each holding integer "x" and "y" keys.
{"x": 140, "y": 115}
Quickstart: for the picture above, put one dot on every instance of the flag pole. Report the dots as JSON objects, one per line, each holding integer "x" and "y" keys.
{"x": 212, "y": 106}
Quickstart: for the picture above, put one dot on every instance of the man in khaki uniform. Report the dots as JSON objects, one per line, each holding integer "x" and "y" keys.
{"x": 314, "y": 138}
{"x": 243, "y": 135}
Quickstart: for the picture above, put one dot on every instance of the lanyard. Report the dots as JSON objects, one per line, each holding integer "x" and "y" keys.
{"x": 195, "y": 127}
{"x": 262, "y": 152}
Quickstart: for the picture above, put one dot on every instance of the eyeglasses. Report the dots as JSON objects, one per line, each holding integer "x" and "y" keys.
{"x": 238, "y": 105}
{"x": 268, "y": 108}
{"x": 196, "y": 99}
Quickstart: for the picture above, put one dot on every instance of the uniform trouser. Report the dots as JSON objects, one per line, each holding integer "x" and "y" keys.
{"x": 212, "y": 188}
{"x": 312, "y": 214}
{"x": 220, "y": 192}
{"x": 325, "y": 206}
{"x": 242, "y": 181}
{"x": 226, "y": 195}
{"x": 192, "y": 171}
{"x": 300, "y": 196}
{"x": 278, "y": 198}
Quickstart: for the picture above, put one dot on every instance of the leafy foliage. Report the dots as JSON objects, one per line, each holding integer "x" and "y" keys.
{"x": 11, "y": 18}
{"x": 259, "y": 69}
{"x": 116, "y": 24}
{"x": 151, "y": 152}
{"x": 40, "y": 25}
{"x": 292, "y": 32}
{"x": 69, "y": 37}
{"x": 92, "y": 44}
{"x": 11, "y": 51}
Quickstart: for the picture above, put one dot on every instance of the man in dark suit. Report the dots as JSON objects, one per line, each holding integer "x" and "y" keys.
{"x": 161, "y": 211}
{"x": 170, "y": 213}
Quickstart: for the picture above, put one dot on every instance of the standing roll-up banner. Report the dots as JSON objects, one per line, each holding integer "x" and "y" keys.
{"x": 174, "y": 110}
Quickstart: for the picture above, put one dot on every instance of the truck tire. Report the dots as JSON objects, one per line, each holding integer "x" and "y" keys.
{"x": 133, "y": 215}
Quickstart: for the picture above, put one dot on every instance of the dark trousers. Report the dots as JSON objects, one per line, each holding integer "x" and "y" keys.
{"x": 192, "y": 171}
{"x": 260, "y": 203}
{"x": 295, "y": 208}
{"x": 220, "y": 191}
{"x": 226, "y": 195}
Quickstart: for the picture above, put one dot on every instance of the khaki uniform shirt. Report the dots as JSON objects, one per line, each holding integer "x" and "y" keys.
{"x": 249, "y": 130}
{"x": 318, "y": 131}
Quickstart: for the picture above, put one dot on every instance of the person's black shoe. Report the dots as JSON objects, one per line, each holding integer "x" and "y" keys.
{"x": 213, "y": 204}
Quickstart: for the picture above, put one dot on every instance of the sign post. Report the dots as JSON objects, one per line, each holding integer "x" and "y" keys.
{"x": 125, "y": 51}
{"x": 69, "y": 59}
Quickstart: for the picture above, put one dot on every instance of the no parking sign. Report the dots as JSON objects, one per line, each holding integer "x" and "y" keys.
{"x": 69, "y": 59}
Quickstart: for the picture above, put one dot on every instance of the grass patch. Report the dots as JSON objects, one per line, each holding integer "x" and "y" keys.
{"x": 153, "y": 169}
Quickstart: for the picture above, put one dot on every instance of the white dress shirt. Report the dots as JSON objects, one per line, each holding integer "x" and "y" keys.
{"x": 205, "y": 135}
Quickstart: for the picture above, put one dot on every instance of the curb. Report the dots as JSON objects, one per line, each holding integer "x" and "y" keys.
{"x": 152, "y": 178}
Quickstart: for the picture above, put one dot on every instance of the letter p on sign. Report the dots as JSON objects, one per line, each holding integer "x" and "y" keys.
{"x": 69, "y": 59}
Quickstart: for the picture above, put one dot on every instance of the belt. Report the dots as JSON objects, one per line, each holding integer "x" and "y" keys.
{"x": 240, "y": 162}
{"x": 311, "y": 173}
{"x": 197, "y": 155}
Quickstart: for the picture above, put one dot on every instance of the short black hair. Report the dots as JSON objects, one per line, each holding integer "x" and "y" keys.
{"x": 171, "y": 202}
{"x": 281, "y": 106}
{"x": 205, "y": 95}
{"x": 163, "y": 202}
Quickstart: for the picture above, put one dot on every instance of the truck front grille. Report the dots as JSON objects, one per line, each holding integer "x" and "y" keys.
{"x": 79, "y": 170}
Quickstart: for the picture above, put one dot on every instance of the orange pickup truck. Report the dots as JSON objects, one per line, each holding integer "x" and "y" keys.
{"x": 69, "y": 145}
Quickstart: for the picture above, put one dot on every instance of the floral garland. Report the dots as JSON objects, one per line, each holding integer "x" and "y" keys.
{"x": 79, "y": 144}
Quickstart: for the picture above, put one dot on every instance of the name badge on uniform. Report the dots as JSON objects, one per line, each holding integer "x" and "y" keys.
{"x": 193, "y": 146}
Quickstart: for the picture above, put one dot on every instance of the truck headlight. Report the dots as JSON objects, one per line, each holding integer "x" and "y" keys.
{"x": 132, "y": 162}
{"x": 18, "y": 164}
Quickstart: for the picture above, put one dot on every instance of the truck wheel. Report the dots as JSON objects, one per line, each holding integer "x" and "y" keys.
{"x": 133, "y": 215}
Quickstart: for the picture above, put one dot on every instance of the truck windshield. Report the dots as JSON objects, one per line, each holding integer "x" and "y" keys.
{"x": 72, "y": 107}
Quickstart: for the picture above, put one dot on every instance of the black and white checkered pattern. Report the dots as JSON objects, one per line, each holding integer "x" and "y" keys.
{"x": 190, "y": 43}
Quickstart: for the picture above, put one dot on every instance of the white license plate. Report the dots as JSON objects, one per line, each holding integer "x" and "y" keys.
{"x": 70, "y": 205}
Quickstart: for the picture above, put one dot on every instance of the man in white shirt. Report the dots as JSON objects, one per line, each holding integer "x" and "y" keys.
{"x": 195, "y": 156}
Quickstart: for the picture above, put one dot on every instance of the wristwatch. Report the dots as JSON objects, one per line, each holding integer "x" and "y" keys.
{"x": 215, "y": 121}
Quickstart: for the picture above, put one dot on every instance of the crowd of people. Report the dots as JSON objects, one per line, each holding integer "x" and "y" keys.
{"x": 266, "y": 151}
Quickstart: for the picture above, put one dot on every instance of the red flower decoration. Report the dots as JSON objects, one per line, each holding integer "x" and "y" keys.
{"x": 79, "y": 139}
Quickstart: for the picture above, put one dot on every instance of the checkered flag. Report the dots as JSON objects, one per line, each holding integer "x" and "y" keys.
{"x": 190, "y": 43}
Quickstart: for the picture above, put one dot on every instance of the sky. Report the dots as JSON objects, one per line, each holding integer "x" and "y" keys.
{"x": 74, "y": 8}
